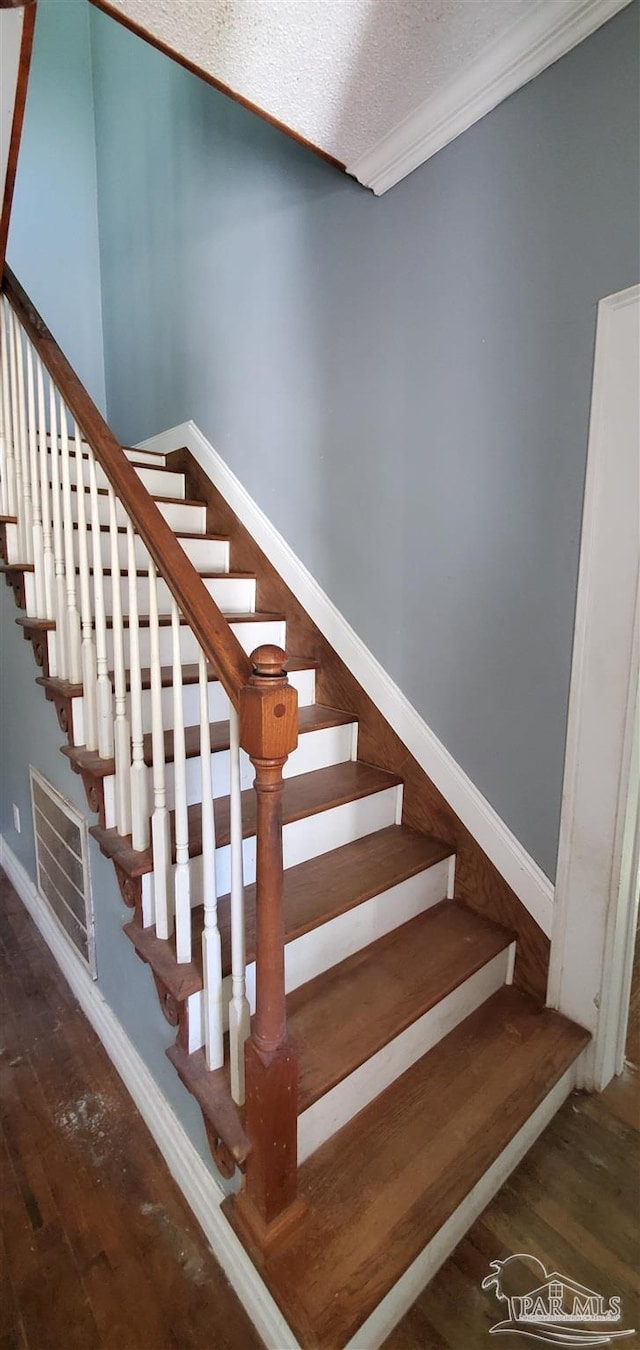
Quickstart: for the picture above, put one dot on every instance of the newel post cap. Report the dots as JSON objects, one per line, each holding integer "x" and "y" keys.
{"x": 268, "y": 663}
{"x": 268, "y": 708}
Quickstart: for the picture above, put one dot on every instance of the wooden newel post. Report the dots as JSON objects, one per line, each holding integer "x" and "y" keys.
{"x": 268, "y": 713}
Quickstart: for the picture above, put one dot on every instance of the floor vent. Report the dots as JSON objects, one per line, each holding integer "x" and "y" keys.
{"x": 62, "y": 860}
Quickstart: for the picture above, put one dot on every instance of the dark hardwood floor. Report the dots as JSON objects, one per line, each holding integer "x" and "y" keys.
{"x": 98, "y": 1248}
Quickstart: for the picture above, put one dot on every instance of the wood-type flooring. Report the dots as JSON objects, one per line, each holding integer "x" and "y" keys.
{"x": 98, "y": 1248}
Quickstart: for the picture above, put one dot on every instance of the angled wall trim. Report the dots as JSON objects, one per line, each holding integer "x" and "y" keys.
{"x": 518, "y": 868}
{"x": 199, "y": 1187}
{"x": 547, "y": 32}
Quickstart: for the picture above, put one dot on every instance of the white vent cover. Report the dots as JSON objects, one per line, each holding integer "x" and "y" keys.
{"x": 62, "y": 860}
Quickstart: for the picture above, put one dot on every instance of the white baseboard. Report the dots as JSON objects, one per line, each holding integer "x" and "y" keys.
{"x": 199, "y": 1187}
{"x": 518, "y": 868}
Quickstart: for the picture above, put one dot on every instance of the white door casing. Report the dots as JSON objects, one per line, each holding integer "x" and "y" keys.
{"x": 597, "y": 879}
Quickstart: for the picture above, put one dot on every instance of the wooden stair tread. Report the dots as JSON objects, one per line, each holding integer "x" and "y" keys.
{"x": 323, "y": 888}
{"x": 181, "y": 980}
{"x": 305, "y": 795}
{"x": 164, "y": 620}
{"x": 382, "y": 1187}
{"x": 314, "y": 892}
{"x": 181, "y": 501}
{"x": 16, "y": 567}
{"x": 138, "y": 463}
{"x": 83, "y": 760}
{"x": 313, "y": 717}
{"x": 141, "y": 572}
{"x": 41, "y": 625}
{"x": 190, "y": 675}
{"x": 60, "y": 686}
{"x": 191, "y": 672}
{"x": 180, "y": 534}
{"x": 211, "y": 1091}
{"x": 344, "y": 1016}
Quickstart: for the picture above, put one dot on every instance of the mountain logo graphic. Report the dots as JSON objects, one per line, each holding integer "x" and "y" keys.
{"x": 551, "y": 1307}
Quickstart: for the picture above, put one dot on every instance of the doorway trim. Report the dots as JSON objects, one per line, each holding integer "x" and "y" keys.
{"x": 596, "y": 898}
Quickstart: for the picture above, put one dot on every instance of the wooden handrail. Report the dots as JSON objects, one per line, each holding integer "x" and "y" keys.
{"x": 219, "y": 644}
{"x": 22, "y": 81}
{"x": 268, "y": 720}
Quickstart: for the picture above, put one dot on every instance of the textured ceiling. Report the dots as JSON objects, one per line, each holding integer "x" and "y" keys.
{"x": 341, "y": 73}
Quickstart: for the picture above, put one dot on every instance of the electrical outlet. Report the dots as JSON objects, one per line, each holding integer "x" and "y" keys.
{"x": 16, "y": 819}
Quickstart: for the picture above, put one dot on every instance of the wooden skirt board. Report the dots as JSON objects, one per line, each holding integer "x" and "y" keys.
{"x": 478, "y": 882}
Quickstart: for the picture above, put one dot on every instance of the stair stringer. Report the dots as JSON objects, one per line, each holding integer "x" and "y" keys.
{"x": 478, "y": 880}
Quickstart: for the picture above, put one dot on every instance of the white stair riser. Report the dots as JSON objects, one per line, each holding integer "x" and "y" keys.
{"x": 301, "y": 840}
{"x": 189, "y": 517}
{"x": 11, "y": 537}
{"x": 30, "y": 593}
{"x": 233, "y": 595}
{"x": 207, "y": 555}
{"x": 331, "y": 1112}
{"x": 316, "y": 750}
{"x": 160, "y": 482}
{"x": 302, "y": 680}
{"x": 250, "y": 635}
{"x": 140, "y": 456}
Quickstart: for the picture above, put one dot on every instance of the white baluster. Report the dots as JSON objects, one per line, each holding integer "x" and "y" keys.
{"x": 239, "y": 1016}
{"x": 4, "y": 486}
{"x": 104, "y": 693}
{"x": 88, "y": 650}
{"x": 72, "y": 631}
{"x": 23, "y": 447}
{"x": 182, "y": 878}
{"x": 160, "y": 824}
{"x": 122, "y": 741}
{"x": 139, "y": 777}
{"x": 9, "y": 463}
{"x": 15, "y": 436}
{"x": 8, "y": 412}
{"x": 38, "y": 538}
{"x": 211, "y": 946}
{"x": 61, "y": 661}
{"x": 47, "y": 537}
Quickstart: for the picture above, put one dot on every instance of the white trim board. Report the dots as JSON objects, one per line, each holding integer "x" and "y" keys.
{"x": 507, "y": 854}
{"x": 548, "y": 31}
{"x": 199, "y": 1187}
{"x": 597, "y": 901}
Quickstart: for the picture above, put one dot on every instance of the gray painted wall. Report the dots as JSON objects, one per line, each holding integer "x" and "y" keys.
{"x": 402, "y": 384}
{"x": 29, "y": 734}
{"x": 53, "y": 240}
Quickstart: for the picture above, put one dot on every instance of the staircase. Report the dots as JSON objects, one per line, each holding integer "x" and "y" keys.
{"x": 356, "y": 998}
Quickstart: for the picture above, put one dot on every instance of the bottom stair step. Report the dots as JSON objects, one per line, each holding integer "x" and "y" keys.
{"x": 379, "y": 1191}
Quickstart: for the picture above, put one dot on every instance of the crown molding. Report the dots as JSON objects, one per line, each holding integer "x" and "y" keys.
{"x": 524, "y": 51}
